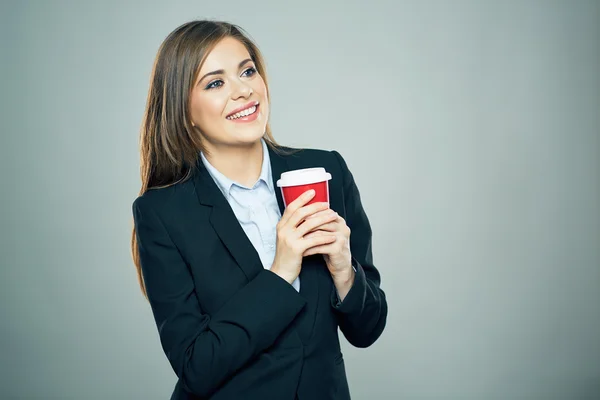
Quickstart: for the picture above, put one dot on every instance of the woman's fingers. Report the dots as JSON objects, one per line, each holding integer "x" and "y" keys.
{"x": 317, "y": 232}
{"x": 317, "y": 241}
{"x": 327, "y": 227}
{"x": 326, "y": 248}
{"x": 317, "y": 220}
{"x": 307, "y": 213}
{"x": 296, "y": 205}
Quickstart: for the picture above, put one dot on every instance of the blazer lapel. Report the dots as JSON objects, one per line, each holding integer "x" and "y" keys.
{"x": 225, "y": 223}
{"x": 279, "y": 164}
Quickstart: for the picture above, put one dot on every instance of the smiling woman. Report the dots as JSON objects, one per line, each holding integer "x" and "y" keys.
{"x": 247, "y": 292}
{"x": 229, "y": 100}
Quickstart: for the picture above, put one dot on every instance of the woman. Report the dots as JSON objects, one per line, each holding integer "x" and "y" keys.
{"x": 247, "y": 294}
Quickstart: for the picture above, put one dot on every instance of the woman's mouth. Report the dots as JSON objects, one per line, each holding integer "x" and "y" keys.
{"x": 248, "y": 115}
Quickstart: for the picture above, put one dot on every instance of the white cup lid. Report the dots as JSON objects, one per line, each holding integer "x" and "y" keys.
{"x": 304, "y": 176}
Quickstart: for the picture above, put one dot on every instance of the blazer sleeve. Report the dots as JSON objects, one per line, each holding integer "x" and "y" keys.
{"x": 363, "y": 313}
{"x": 205, "y": 350}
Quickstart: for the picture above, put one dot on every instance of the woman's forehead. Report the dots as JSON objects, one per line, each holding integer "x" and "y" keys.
{"x": 226, "y": 54}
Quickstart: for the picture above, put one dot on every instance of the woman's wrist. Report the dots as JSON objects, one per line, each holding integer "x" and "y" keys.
{"x": 286, "y": 277}
{"x": 343, "y": 283}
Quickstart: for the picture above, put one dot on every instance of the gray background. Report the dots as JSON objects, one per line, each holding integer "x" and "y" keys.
{"x": 472, "y": 129}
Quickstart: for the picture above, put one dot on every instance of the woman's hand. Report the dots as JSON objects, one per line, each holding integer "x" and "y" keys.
{"x": 291, "y": 234}
{"x": 337, "y": 255}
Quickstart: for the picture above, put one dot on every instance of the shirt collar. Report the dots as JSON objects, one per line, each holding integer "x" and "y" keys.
{"x": 265, "y": 173}
{"x": 225, "y": 184}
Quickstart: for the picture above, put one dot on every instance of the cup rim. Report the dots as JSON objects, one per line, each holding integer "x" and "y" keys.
{"x": 303, "y": 176}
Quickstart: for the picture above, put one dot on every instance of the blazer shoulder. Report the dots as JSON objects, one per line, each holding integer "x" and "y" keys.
{"x": 305, "y": 151}
{"x": 162, "y": 197}
{"x": 328, "y": 158}
{"x": 311, "y": 154}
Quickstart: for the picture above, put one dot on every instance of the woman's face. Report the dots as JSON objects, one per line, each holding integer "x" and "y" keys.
{"x": 227, "y": 82}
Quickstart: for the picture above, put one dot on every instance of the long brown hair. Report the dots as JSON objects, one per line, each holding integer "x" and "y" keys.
{"x": 169, "y": 144}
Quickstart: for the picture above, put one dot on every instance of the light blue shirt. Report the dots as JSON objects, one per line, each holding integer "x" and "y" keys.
{"x": 255, "y": 207}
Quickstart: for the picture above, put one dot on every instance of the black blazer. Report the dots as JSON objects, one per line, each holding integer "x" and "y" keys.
{"x": 232, "y": 329}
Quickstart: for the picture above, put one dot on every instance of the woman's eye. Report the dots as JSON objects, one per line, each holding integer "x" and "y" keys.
{"x": 214, "y": 85}
{"x": 250, "y": 71}
{"x": 218, "y": 83}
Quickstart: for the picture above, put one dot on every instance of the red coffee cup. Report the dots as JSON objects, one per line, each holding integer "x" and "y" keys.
{"x": 294, "y": 183}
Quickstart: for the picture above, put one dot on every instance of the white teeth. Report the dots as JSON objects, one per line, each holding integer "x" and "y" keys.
{"x": 244, "y": 113}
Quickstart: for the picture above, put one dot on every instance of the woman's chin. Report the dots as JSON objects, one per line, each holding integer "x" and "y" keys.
{"x": 248, "y": 135}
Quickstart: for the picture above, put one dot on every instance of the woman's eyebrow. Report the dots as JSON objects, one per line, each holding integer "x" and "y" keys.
{"x": 220, "y": 71}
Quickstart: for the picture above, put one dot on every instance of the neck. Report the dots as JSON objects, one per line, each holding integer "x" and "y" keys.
{"x": 240, "y": 164}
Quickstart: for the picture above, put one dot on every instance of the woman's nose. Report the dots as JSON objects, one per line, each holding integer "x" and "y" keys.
{"x": 242, "y": 90}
